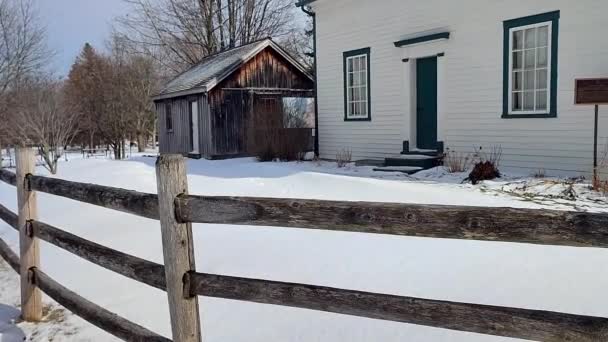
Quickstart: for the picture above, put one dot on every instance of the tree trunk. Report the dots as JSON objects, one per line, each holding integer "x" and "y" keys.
{"x": 141, "y": 142}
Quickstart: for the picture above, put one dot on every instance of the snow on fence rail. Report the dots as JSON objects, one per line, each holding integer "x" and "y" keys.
{"x": 176, "y": 210}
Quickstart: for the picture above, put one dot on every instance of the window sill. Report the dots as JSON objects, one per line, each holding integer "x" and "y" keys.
{"x": 358, "y": 119}
{"x": 528, "y": 116}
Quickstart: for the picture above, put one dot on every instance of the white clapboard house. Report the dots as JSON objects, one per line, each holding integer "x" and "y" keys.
{"x": 407, "y": 75}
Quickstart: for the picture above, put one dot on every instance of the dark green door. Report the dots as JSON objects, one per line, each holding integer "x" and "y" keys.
{"x": 426, "y": 102}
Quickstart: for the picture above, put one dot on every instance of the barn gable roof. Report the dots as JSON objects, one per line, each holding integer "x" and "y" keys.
{"x": 212, "y": 69}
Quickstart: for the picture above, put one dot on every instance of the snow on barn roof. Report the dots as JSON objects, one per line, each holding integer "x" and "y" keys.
{"x": 212, "y": 69}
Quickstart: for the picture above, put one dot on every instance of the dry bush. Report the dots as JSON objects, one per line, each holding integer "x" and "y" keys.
{"x": 494, "y": 155}
{"x": 279, "y": 144}
{"x": 486, "y": 167}
{"x": 454, "y": 161}
{"x": 484, "y": 170}
{"x": 600, "y": 173}
{"x": 344, "y": 157}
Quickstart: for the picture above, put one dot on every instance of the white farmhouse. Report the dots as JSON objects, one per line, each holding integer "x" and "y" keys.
{"x": 408, "y": 75}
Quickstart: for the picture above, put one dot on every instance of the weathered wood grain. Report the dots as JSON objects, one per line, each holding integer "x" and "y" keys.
{"x": 9, "y": 256}
{"x": 484, "y": 319}
{"x": 29, "y": 249}
{"x": 8, "y": 177}
{"x": 9, "y": 217}
{"x": 93, "y": 313}
{"x": 128, "y": 201}
{"x": 536, "y": 226}
{"x": 178, "y": 250}
{"x": 144, "y": 271}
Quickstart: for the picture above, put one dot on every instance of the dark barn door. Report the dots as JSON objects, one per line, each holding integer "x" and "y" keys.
{"x": 426, "y": 103}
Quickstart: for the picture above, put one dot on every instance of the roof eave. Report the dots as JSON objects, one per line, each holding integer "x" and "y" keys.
{"x": 186, "y": 92}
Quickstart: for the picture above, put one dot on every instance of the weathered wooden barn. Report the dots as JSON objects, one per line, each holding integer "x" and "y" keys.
{"x": 224, "y": 105}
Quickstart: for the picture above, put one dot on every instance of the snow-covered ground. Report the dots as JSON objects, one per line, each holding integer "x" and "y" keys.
{"x": 537, "y": 277}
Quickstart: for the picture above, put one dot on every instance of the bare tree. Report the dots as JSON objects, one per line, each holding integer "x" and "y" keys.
{"x": 23, "y": 51}
{"x": 297, "y": 112}
{"x": 179, "y": 33}
{"x": 141, "y": 82}
{"x": 42, "y": 119}
{"x": 113, "y": 93}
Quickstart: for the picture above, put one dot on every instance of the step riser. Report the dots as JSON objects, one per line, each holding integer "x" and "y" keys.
{"x": 423, "y": 163}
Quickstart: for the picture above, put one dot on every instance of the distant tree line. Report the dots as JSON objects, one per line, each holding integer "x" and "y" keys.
{"x": 111, "y": 93}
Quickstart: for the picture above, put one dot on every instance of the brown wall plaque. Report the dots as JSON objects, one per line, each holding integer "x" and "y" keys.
{"x": 591, "y": 91}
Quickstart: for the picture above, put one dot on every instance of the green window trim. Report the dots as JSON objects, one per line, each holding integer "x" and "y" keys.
{"x": 552, "y": 17}
{"x": 346, "y": 55}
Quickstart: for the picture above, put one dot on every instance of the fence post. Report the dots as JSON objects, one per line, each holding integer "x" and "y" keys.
{"x": 178, "y": 249}
{"x": 31, "y": 296}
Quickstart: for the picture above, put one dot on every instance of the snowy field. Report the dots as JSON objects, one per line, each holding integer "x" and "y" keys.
{"x": 572, "y": 280}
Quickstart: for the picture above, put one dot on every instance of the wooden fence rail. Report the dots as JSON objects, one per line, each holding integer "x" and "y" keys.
{"x": 93, "y": 313}
{"x": 128, "y": 201}
{"x": 484, "y": 319}
{"x": 177, "y": 210}
{"x": 547, "y": 227}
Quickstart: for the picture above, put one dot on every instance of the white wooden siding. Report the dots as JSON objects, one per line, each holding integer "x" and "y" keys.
{"x": 470, "y": 76}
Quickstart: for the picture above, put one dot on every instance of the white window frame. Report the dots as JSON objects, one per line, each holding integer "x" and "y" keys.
{"x": 349, "y": 114}
{"x": 549, "y": 24}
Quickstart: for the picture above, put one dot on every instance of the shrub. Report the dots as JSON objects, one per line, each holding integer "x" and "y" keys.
{"x": 267, "y": 153}
{"x": 494, "y": 155}
{"x": 344, "y": 157}
{"x": 455, "y": 162}
{"x": 280, "y": 144}
{"x": 484, "y": 170}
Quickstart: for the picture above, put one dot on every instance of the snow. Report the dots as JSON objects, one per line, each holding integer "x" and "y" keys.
{"x": 528, "y": 276}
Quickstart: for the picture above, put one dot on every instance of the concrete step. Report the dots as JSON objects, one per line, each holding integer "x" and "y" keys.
{"x": 421, "y": 152}
{"x": 403, "y": 169}
{"x": 416, "y": 160}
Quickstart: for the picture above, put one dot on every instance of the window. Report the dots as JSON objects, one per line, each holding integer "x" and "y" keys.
{"x": 357, "y": 105}
{"x": 530, "y": 63}
{"x": 168, "y": 117}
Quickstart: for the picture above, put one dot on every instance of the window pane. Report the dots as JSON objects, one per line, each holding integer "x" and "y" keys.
{"x": 529, "y": 100}
{"x": 364, "y": 108}
{"x": 529, "y": 80}
{"x": 518, "y": 80}
{"x": 518, "y": 60}
{"x": 517, "y": 101}
{"x": 350, "y": 79}
{"x": 357, "y": 78}
{"x": 541, "y": 57}
{"x": 530, "y": 38}
{"x": 363, "y": 63}
{"x": 543, "y": 36}
{"x": 541, "y": 100}
{"x": 530, "y": 59}
{"x": 541, "y": 79}
{"x": 363, "y": 78}
{"x": 352, "y": 108}
{"x": 349, "y": 63}
{"x": 518, "y": 40}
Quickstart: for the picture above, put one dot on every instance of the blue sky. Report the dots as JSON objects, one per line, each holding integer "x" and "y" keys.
{"x": 71, "y": 23}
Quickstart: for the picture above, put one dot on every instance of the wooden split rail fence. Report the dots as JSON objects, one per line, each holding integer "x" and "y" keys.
{"x": 177, "y": 210}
